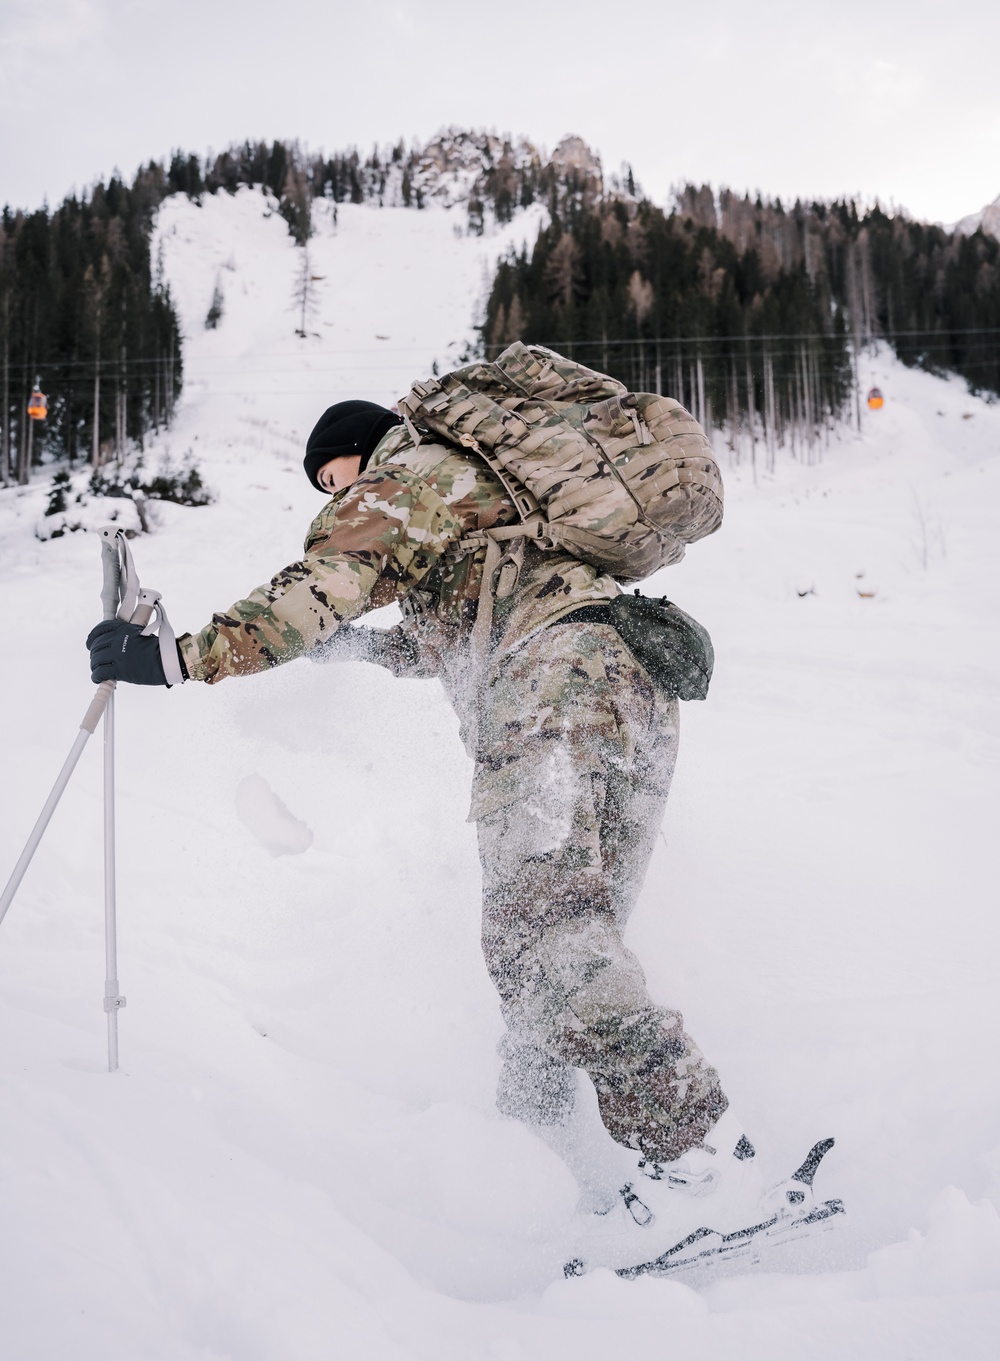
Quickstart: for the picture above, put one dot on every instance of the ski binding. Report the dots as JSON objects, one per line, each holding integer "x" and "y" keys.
{"x": 788, "y": 1211}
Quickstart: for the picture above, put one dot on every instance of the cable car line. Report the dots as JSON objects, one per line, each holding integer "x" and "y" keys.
{"x": 111, "y": 365}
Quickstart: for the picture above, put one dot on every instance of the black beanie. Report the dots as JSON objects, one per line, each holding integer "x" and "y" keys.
{"x": 344, "y": 429}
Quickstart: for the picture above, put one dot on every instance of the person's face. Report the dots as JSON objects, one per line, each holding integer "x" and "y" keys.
{"x": 339, "y": 473}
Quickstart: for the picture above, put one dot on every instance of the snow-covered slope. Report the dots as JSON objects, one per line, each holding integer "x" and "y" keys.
{"x": 299, "y": 1157}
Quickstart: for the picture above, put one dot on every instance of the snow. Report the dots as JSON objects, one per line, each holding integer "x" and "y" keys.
{"x": 268, "y": 820}
{"x": 987, "y": 218}
{"x": 300, "y": 1157}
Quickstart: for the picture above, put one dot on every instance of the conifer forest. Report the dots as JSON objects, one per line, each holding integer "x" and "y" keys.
{"x": 83, "y": 313}
{"x": 749, "y": 312}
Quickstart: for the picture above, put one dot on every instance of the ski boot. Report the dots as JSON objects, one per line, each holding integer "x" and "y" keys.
{"x": 708, "y": 1205}
{"x": 716, "y": 1182}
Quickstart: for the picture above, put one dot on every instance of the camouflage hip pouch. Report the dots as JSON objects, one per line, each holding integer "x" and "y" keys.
{"x": 672, "y": 647}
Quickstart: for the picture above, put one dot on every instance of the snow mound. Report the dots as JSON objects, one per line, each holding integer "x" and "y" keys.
{"x": 268, "y": 820}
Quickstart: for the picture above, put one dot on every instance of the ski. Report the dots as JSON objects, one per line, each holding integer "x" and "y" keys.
{"x": 790, "y": 1212}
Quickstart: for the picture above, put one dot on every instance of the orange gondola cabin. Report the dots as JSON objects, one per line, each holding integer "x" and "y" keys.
{"x": 875, "y": 399}
{"x": 38, "y": 405}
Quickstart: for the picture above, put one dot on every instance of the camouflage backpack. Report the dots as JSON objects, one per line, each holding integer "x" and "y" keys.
{"x": 623, "y": 481}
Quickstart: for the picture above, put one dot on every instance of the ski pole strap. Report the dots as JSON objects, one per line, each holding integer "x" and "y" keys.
{"x": 160, "y": 625}
{"x": 143, "y": 606}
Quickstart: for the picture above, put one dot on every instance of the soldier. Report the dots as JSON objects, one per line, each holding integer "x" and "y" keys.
{"x": 574, "y": 748}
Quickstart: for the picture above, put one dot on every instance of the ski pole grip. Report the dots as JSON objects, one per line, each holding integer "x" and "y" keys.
{"x": 111, "y": 589}
{"x": 146, "y": 607}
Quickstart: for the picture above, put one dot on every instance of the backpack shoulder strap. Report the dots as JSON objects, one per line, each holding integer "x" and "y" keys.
{"x": 502, "y": 570}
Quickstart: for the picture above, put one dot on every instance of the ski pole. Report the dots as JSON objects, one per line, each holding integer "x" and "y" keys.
{"x": 90, "y": 720}
{"x": 111, "y": 593}
{"x": 121, "y": 594}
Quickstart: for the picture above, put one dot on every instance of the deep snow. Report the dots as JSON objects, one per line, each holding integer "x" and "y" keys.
{"x": 299, "y": 1157}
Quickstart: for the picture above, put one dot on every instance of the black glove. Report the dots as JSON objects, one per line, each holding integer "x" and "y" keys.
{"x": 119, "y": 652}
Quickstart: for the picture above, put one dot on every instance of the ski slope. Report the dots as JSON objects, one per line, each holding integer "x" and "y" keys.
{"x": 299, "y": 1158}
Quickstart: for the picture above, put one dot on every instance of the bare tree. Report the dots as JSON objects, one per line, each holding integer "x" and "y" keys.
{"x": 304, "y": 292}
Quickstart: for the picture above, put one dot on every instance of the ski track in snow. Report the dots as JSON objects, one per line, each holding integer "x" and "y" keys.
{"x": 299, "y": 1157}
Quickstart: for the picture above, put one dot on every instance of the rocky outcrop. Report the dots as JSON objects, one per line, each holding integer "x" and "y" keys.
{"x": 987, "y": 220}
{"x": 497, "y": 175}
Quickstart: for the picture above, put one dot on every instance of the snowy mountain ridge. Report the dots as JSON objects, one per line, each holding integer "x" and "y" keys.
{"x": 300, "y": 1156}
{"x": 453, "y": 166}
{"x": 987, "y": 220}
{"x": 477, "y": 168}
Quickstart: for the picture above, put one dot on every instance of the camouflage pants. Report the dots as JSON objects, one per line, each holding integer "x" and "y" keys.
{"x": 576, "y": 753}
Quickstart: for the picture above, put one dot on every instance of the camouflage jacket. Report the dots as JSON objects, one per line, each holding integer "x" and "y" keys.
{"x": 393, "y": 536}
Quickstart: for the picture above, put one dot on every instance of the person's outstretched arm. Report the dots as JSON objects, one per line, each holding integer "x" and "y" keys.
{"x": 383, "y": 533}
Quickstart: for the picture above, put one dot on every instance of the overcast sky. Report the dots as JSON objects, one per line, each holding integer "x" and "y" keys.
{"x": 871, "y": 97}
